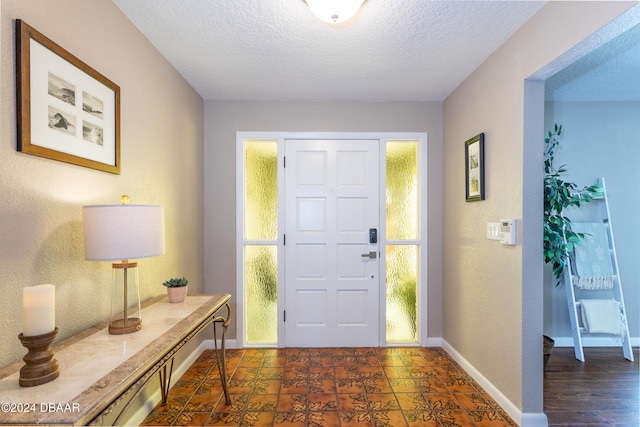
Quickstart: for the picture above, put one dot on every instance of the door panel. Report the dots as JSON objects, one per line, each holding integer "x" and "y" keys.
{"x": 332, "y": 200}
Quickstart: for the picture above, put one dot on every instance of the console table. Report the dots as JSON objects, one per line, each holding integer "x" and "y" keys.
{"x": 101, "y": 374}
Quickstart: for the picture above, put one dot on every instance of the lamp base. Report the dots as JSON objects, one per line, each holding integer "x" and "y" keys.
{"x": 40, "y": 366}
{"x": 122, "y": 326}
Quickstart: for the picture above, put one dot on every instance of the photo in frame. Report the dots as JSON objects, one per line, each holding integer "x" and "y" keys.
{"x": 474, "y": 168}
{"x": 66, "y": 110}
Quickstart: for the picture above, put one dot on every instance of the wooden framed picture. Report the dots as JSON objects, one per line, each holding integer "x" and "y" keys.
{"x": 474, "y": 167}
{"x": 66, "y": 110}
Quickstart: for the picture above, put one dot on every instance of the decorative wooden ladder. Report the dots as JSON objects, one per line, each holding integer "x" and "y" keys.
{"x": 570, "y": 279}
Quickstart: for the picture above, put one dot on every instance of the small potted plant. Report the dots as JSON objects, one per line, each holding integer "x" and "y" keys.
{"x": 176, "y": 289}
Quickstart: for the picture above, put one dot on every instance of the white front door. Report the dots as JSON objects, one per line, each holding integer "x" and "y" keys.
{"x": 331, "y": 265}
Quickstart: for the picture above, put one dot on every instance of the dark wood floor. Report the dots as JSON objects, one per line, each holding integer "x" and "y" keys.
{"x": 602, "y": 391}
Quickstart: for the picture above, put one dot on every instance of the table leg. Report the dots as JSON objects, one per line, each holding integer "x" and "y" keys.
{"x": 220, "y": 354}
{"x": 165, "y": 382}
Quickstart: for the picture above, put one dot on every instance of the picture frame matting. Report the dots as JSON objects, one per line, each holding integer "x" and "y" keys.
{"x": 66, "y": 110}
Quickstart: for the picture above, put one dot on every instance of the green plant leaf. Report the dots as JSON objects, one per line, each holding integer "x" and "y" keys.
{"x": 559, "y": 241}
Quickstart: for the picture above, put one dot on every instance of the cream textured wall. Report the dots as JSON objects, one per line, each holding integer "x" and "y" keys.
{"x": 488, "y": 288}
{"x": 40, "y": 209}
{"x": 223, "y": 119}
{"x": 601, "y": 139}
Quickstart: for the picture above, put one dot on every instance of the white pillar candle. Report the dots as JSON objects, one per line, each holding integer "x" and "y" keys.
{"x": 38, "y": 310}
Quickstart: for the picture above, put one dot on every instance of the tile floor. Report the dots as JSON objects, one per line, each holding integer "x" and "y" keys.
{"x": 330, "y": 387}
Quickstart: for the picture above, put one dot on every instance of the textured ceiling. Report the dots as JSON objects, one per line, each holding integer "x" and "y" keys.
{"x": 392, "y": 50}
{"x": 398, "y": 50}
{"x": 609, "y": 73}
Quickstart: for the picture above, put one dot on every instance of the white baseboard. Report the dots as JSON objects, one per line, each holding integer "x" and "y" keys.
{"x": 523, "y": 419}
{"x": 228, "y": 344}
{"x": 434, "y": 342}
{"x": 594, "y": 341}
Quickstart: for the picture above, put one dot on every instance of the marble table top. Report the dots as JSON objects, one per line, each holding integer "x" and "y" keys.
{"x": 95, "y": 367}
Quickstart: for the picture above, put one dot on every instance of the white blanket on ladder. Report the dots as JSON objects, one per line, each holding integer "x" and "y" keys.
{"x": 602, "y": 316}
{"x": 592, "y": 258}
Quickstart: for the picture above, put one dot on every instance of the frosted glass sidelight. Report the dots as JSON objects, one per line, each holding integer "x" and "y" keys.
{"x": 261, "y": 191}
{"x": 402, "y": 190}
{"x": 402, "y": 292}
{"x": 261, "y": 294}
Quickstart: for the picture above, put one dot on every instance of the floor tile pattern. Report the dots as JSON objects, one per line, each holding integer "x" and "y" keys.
{"x": 327, "y": 387}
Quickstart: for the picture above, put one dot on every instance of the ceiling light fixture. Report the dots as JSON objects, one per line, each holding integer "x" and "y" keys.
{"x": 334, "y": 11}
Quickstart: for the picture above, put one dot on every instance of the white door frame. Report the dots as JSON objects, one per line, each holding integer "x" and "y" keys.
{"x": 280, "y": 137}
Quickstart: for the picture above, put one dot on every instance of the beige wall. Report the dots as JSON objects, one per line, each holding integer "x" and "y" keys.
{"x": 40, "y": 206}
{"x": 485, "y": 283}
{"x": 223, "y": 119}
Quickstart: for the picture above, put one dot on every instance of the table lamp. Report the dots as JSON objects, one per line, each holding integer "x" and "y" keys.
{"x": 122, "y": 233}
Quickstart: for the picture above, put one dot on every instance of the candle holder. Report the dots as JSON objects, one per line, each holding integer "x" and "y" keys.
{"x": 40, "y": 366}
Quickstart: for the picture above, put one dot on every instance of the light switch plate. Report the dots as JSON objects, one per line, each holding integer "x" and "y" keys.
{"x": 493, "y": 230}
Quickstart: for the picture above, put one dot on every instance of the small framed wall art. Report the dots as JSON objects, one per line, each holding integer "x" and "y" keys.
{"x": 474, "y": 167}
{"x": 66, "y": 110}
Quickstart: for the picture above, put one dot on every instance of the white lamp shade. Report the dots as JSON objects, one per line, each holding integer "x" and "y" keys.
{"x": 334, "y": 11}
{"x": 122, "y": 232}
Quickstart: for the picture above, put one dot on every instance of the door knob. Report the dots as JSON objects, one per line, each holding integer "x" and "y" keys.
{"x": 371, "y": 255}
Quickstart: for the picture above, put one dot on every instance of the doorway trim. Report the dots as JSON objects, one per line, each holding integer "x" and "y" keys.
{"x": 280, "y": 137}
